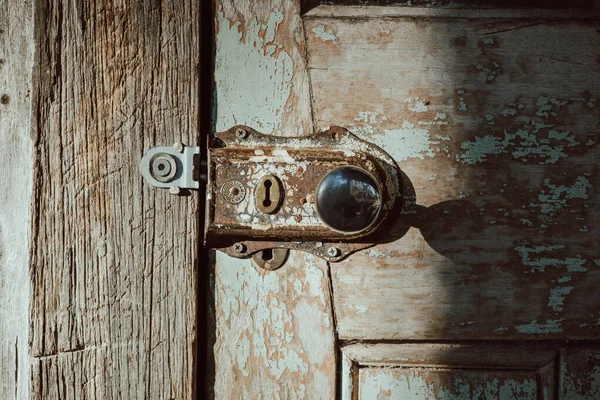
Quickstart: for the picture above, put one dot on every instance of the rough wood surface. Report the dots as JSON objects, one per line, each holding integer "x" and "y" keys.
{"x": 274, "y": 330}
{"x": 16, "y": 169}
{"x": 495, "y": 124}
{"x": 113, "y": 296}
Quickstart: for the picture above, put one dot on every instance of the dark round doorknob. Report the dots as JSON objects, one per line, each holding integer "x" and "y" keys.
{"x": 348, "y": 199}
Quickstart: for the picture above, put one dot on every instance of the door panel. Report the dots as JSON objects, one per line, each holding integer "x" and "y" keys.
{"x": 432, "y": 371}
{"x": 495, "y": 124}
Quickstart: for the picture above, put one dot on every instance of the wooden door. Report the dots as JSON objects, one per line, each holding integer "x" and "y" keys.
{"x": 487, "y": 287}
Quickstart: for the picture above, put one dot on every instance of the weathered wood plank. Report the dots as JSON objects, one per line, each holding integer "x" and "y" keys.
{"x": 274, "y": 330}
{"x": 113, "y": 310}
{"x": 16, "y": 163}
{"x": 495, "y": 125}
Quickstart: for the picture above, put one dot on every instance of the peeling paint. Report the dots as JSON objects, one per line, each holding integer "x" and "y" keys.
{"x": 546, "y": 105}
{"x": 265, "y": 94}
{"x": 554, "y": 198}
{"x": 326, "y": 35}
{"x": 573, "y": 264}
{"x": 557, "y": 297}
{"x": 551, "y": 326}
{"x": 280, "y": 323}
{"x": 413, "y": 385}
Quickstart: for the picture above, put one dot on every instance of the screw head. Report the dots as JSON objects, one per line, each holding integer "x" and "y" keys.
{"x": 333, "y": 251}
{"x": 178, "y": 146}
{"x": 174, "y": 190}
{"x": 163, "y": 167}
{"x": 241, "y": 133}
{"x": 239, "y": 248}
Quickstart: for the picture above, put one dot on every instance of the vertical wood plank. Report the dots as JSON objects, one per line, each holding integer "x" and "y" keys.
{"x": 113, "y": 310}
{"x": 274, "y": 330}
{"x": 16, "y": 162}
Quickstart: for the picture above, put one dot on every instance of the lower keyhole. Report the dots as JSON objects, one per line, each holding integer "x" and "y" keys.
{"x": 267, "y": 254}
{"x": 267, "y": 200}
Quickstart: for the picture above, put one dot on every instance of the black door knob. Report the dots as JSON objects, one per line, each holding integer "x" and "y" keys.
{"x": 348, "y": 199}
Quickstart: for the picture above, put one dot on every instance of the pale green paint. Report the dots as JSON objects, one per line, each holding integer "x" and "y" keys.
{"x": 412, "y": 385}
{"x": 551, "y": 326}
{"x": 508, "y": 112}
{"x": 325, "y": 34}
{"x": 520, "y": 145}
{"x": 557, "y": 297}
{"x": 546, "y": 104}
{"x": 573, "y": 264}
{"x": 258, "y": 99}
{"x": 563, "y": 279}
{"x": 554, "y": 198}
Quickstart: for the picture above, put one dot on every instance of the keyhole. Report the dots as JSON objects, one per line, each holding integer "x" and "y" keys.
{"x": 267, "y": 200}
{"x": 267, "y": 254}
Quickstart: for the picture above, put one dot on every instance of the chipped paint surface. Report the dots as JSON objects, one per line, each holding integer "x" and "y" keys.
{"x": 281, "y": 325}
{"x": 557, "y": 297}
{"x": 554, "y": 197}
{"x": 536, "y": 263}
{"x": 326, "y": 34}
{"x": 269, "y": 85}
{"x": 274, "y": 330}
{"x": 538, "y": 328}
{"x": 581, "y": 375}
{"x": 395, "y": 384}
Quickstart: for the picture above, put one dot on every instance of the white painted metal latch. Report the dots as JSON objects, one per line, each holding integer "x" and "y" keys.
{"x": 174, "y": 167}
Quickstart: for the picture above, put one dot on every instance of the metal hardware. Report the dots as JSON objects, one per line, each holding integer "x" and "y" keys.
{"x": 333, "y": 252}
{"x": 269, "y": 194}
{"x": 295, "y": 174}
{"x": 239, "y": 248}
{"x": 171, "y": 167}
{"x": 330, "y": 194}
{"x": 348, "y": 199}
{"x": 233, "y": 191}
{"x": 271, "y": 259}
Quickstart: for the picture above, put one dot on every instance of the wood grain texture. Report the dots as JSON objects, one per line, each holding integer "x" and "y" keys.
{"x": 16, "y": 174}
{"x": 495, "y": 124}
{"x": 113, "y": 311}
{"x": 274, "y": 330}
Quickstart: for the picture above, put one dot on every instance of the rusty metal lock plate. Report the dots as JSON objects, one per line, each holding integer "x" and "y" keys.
{"x": 263, "y": 192}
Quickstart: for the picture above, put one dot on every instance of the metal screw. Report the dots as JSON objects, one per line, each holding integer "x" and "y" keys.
{"x": 162, "y": 168}
{"x": 333, "y": 252}
{"x": 174, "y": 190}
{"x": 239, "y": 248}
{"x": 241, "y": 133}
{"x": 178, "y": 146}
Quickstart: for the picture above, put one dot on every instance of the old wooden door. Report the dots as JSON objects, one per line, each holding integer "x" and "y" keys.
{"x": 487, "y": 287}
